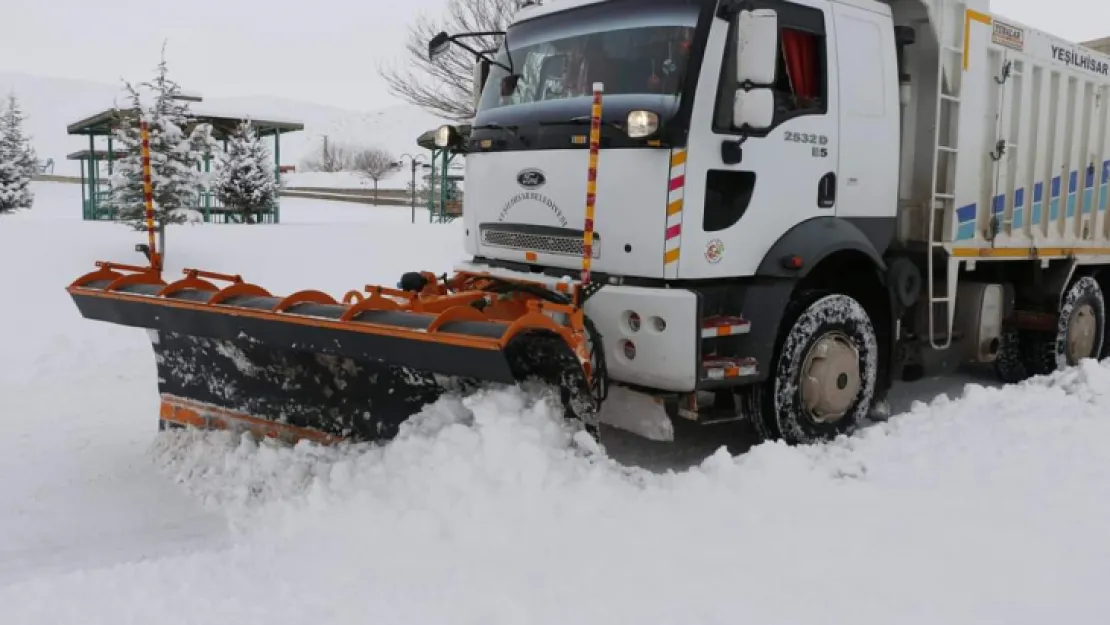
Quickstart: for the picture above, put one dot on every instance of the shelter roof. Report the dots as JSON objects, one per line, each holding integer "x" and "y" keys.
{"x": 223, "y": 125}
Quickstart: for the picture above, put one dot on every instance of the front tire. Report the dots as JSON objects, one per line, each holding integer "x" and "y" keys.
{"x": 824, "y": 375}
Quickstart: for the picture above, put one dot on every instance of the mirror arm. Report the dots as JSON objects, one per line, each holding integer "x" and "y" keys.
{"x": 478, "y": 53}
{"x": 729, "y": 8}
{"x": 748, "y": 85}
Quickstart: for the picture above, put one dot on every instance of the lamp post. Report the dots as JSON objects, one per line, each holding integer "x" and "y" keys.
{"x": 414, "y": 161}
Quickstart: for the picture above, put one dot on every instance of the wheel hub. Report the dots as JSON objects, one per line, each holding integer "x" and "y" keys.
{"x": 1082, "y": 332}
{"x": 830, "y": 379}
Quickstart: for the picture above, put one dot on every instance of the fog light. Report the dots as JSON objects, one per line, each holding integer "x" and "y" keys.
{"x": 634, "y": 322}
{"x": 629, "y": 349}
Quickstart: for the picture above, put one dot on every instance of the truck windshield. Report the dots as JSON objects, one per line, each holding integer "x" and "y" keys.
{"x": 629, "y": 54}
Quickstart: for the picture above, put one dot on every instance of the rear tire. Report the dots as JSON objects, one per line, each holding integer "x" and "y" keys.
{"x": 1080, "y": 333}
{"x": 823, "y": 379}
{"x": 1011, "y": 366}
{"x": 1081, "y": 328}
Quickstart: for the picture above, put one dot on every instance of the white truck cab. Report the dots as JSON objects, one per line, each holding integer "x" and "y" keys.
{"x": 798, "y": 200}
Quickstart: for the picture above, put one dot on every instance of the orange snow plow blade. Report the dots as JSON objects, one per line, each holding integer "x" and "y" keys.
{"x": 231, "y": 355}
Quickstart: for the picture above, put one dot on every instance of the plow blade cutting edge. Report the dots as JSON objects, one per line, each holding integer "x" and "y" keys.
{"x": 308, "y": 366}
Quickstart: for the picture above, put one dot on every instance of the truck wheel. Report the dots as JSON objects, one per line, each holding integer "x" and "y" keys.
{"x": 824, "y": 376}
{"x": 1081, "y": 328}
{"x": 1010, "y": 364}
{"x": 1080, "y": 332}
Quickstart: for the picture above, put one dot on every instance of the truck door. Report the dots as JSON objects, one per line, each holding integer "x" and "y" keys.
{"x": 867, "y": 192}
{"x": 786, "y": 174}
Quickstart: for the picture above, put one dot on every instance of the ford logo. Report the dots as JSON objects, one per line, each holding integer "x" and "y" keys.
{"x": 531, "y": 179}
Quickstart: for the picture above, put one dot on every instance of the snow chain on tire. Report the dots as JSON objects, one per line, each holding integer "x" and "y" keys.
{"x": 832, "y": 337}
{"x": 1082, "y": 299}
{"x": 1025, "y": 353}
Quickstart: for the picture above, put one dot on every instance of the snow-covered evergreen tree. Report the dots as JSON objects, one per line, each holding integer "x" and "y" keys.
{"x": 175, "y": 156}
{"x": 17, "y": 160}
{"x": 245, "y": 181}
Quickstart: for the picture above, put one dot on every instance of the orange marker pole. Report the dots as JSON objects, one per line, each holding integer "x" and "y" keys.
{"x": 591, "y": 184}
{"x": 148, "y": 195}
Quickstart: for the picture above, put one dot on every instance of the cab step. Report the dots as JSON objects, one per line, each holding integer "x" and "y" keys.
{"x": 725, "y": 368}
{"x": 706, "y": 408}
{"x": 723, "y": 325}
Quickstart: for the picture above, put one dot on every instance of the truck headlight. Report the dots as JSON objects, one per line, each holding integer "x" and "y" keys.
{"x": 642, "y": 124}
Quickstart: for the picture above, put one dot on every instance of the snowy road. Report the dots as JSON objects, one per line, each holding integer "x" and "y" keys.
{"x": 986, "y": 508}
{"x": 697, "y": 445}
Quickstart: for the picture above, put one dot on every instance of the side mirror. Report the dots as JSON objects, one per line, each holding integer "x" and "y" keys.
{"x": 481, "y": 73}
{"x": 754, "y": 109}
{"x": 438, "y": 45}
{"x": 757, "y": 44}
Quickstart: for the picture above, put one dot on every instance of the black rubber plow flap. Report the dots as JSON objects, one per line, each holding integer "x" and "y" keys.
{"x": 308, "y": 366}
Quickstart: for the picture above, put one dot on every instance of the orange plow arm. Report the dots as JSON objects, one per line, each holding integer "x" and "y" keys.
{"x": 231, "y": 354}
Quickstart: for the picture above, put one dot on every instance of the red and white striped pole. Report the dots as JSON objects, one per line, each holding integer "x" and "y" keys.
{"x": 591, "y": 184}
{"x": 148, "y": 194}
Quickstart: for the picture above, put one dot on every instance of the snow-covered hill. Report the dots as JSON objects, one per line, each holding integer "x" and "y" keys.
{"x": 51, "y": 104}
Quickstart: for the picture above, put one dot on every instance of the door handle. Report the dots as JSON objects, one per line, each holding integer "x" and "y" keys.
{"x": 826, "y": 191}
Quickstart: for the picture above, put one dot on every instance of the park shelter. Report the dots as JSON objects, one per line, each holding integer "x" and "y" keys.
{"x": 444, "y": 195}
{"x": 97, "y": 160}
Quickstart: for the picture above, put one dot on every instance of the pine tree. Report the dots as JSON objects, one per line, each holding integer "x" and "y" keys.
{"x": 175, "y": 156}
{"x": 245, "y": 181}
{"x": 17, "y": 160}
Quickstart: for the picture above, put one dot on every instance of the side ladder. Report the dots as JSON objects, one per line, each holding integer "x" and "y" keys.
{"x": 943, "y": 202}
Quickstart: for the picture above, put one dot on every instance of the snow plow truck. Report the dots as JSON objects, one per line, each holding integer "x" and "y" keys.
{"x": 738, "y": 209}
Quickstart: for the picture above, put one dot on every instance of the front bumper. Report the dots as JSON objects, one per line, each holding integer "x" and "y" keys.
{"x": 660, "y": 352}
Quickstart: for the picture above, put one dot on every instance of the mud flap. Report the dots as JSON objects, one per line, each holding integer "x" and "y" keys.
{"x": 638, "y": 413}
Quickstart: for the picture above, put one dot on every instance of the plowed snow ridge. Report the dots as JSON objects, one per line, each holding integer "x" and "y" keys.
{"x": 988, "y": 508}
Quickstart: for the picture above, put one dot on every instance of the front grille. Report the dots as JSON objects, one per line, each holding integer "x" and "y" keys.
{"x": 541, "y": 243}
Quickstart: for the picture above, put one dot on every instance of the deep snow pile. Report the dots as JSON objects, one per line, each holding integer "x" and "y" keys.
{"x": 989, "y": 508}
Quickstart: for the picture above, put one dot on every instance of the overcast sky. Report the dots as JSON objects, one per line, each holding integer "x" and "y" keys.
{"x": 325, "y": 51}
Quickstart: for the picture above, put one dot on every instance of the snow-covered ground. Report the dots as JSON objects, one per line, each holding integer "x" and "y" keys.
{"x": 329, "y": 180}
{"x": 352, "y": 180}
{"x": 342, "y": 180}
{"x": 987, "y": 508}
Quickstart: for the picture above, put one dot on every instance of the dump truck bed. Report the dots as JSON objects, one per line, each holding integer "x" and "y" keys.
{"x": 1022, "y": 156}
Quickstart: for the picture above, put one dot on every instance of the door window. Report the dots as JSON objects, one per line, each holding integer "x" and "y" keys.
{"x": 801, "y": 76}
